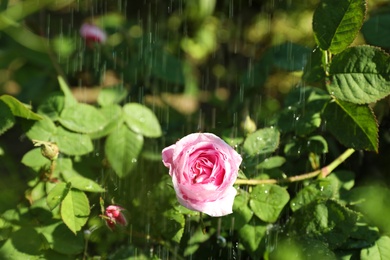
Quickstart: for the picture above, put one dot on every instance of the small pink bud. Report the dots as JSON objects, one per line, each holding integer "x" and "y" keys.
{"x": 91, "y": 33}
{"x": 114, "y": 216}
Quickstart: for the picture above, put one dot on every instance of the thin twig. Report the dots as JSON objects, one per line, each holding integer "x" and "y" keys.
{"x": 323, "y": 172}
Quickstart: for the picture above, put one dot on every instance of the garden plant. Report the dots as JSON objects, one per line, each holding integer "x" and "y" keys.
{"x": 197, "y": 129}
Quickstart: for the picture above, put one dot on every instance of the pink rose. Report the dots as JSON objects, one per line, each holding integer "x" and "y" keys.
{"x": 92, "y": 33}
{"x": 203, "y": 169}
{"x": 114, "y": 216}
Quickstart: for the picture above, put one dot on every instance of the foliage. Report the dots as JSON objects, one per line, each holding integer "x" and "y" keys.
{"x": 83, "y": 124}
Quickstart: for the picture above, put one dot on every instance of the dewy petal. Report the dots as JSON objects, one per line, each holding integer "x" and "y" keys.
{"x": 216, "y": 208}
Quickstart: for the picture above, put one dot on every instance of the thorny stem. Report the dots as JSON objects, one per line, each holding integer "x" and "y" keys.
{"x": 323, "y": 172}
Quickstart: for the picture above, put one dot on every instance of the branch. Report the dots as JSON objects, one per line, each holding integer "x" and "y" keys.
{"x": 323, "y": 172}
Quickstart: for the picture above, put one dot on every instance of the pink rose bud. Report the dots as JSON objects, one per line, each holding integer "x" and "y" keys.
{"x": 92, "y": 33}
{"x": 114, "y": 216}
{"x": 203, "y": 169}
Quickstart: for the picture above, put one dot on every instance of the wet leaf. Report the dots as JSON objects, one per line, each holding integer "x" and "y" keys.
{"x": 325, "y": 220}
{"x": 336, "y": 23}
{"x": 299, "y": 146}
{"x": 122, "y": 149}
{"x": 82, "y": 183}
{"x": 360, "y": 75}
{"x": 241, "y": 215}
{"x": 34, "y": 159}
{"x": 142, "y": 120}
{"x": 82, "y": 118}
{"x": 262, "y": 141}
{"x": 174, "y": 226}
{"x": 267, "y": 201}
{"x": 75, "y": 210}
{"x": 359, "y": 129}
{"x": 18, "y": 108}
{"x": 319, "y": 189}
{"x": 57, "y": 194}
{"x": 271, "y": 162}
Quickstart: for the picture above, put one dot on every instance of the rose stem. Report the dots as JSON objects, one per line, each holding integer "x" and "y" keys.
{"x": 323, "y": 172}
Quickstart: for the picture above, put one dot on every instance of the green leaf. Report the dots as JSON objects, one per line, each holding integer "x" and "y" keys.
{"x": 62, "y": 240}
{"x": 290, "y": 56}
{"x": 314, "y": 71}
{"x": 52, "y": 106}
{"x": 359, "y": 129}
{"x": 299, "y": 146}
{"x": 376, "y": 30}
{"x": 43, "y": 130}
{"x": 28, "y": 241}
{"x": 303, "y": 116}
{"x": 174, "y": 226}
{"x": 70, "y": 100}
{"x": 34, "y": 159}
{"x": 82, "y": 118}
{"x": 271, "y": 162}
{"x": 18, "y": 108}
{"x": 75, "y": 210}
{"x": 319, "y": 189}
{"x": 267, "y": 201}
{"x": 166, "y": 66}
{"x": 380, "y": 250}
{"x": 360, "y": 75}
{"x": 122, "y": 149}
{"x": 141, "y": 120}
{"x": 336, "y": 23}
{"x": 80, "y": 182}
{"x": 252, "y": 236}
{"x": 262, "y": 141}
{"x": 300, "y": 247}
{"x": 241, "y": 215}
{"x": 114, "y": 118}
{"x": 73, "y": 143}
{"x": 327, "y": 221}
{"x": 7, "y": 119}
{"x": 111, "y": 96}
{"x": 57, "y": 194}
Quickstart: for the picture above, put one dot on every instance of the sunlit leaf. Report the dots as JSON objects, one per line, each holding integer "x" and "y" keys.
{"x": 360, "y": 75}
{"x": 359, "y": 129}
{"x": 142, "y": 120}
{"x": 18, "y": 108}
{"x": 42, "y": 130}
{"x": 82, "y": 118}
{"x": 122, "y": 149}
{"x": 267, "y": 201}
{"x": 35, "y": 159}
{"x": 336, "y": 23}
{"x": 262, "y": 141}
{"x": 57, "y": 194}
{"x": 72, "y": 143}
{"x": 271, "y": 162}
{"x": 80, "y": 182}
{"x": 75, "y": 210}
{"x": 380, "y": 250}
{"x": 241, "y": 215}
